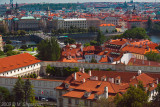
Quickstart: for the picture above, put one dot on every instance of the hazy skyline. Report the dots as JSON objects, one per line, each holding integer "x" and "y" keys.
{"x": 69, "y": 1}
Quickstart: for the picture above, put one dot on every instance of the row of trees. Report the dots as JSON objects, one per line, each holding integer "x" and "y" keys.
{"x": 22, "y": 94}
{"x": 31, "y": 76}
{"x": 74, "y": 30}
{"x": 60, "y": 72}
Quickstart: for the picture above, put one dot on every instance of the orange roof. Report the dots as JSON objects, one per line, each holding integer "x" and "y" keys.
{"x": 17, "y": 61}
{"x": 69, "y": 60}
{"x": 107, "y": 25}
{"x": 119, "y": 41}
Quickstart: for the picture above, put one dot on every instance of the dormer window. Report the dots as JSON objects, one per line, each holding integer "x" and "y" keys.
{"x": 66, "y": 85}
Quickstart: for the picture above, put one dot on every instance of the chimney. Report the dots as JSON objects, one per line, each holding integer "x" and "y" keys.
{"x": 106, "y": 92}
{"x": 139, "y": 72}
{"x": 152, "y": 84}
{"x": 82, "y": 70}
{"x": 146, "y": 88}
{"x": 157, "y": 81}
{"x": 90, "y": 73}
{"x": 84, "y": 80}
{"x": 75, "y": 76}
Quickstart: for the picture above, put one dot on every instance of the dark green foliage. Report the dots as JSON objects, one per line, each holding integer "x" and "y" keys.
{"x": 4, "y": 95}
{"x": 93, "y": 60}
{"x": 134, "y": 97}
{"x": 24, "y": 47}
{"x": 52, "y": 6}
{"x": 65, "y": 72}
{"x": 28, "y": 92}
{"x": 18, "y": 91}
{"x": 1, "y": 53}
{"x": 21, "y": 32}
{"x": 49, "y": 50}
{"x": 87, "y": 44}
{"x": 138, "y": 33}
{"x": 106, "y": 30}
{"x": 103, "y": 102}
{"x": 93, "y": 43}
{"x": 10, "y": 53}
{"x": 8, "y": 47}
{"x": 92, "y": 29}
{"x": 100, "y": 38}
{"x": 35, "y": 75}
{"x": 3, "y": 30}
{"x": 152, "y": 56}
{"x": 69, "y": 40}
{"x": 149, "y": 24}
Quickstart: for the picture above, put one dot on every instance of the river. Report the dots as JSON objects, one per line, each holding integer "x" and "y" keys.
{"x": 155, "y": 39}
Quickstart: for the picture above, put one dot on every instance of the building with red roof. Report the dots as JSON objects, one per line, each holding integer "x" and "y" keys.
{"x": 87, "y": 88}
{"x": 19, "y": 65}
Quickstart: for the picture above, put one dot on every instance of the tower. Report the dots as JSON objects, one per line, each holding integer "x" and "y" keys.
{"x": 11, "y": 3}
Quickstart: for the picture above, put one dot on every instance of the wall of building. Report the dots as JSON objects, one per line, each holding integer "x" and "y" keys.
{"x": 23, "y": 71}
{"x": 100, "y": 66}
{"x": 47, "y": 86}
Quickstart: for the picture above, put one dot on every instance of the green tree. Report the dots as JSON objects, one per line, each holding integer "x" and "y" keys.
{"x": 35, "y": 75}
{"x": 87, "y": 44}
{"x": 93, "y": 60}
{"x": 70, "y": 41}
{"x": 49, "y": 50}
{"x": 1, "y": 53}
{"x": 10, "y": 53}
{"x": 4, "y": 95}
{"x": 149, "y": 24}
{"x": 134, "y": 97}
{"x": 21, "y": 32}
{"x": 8, "y": 47}
{"x": 100, "y": 38}
{"x": 152, "y": 56}
{"x": 138, "y": 33}
{"x": 106, "y": 30}
{"x": 19, "y": 93}
{"x": 103, "y": 102}
{"x": 28, "y": 92}
{"x": 50, "y": 70}
{"x": 93, "y": 43}
{"x": 24, "y": 47}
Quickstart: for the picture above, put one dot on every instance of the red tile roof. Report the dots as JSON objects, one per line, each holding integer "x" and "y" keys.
{"x": 17, "y": 61}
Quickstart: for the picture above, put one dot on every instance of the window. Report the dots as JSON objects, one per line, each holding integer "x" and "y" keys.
{"x": 76, "y": 101}
{"x": 69, "y": 101}
{"x": 86, "y": 102}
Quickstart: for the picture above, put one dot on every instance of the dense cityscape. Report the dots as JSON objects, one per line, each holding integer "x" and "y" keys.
{"x": 80, "y": 54}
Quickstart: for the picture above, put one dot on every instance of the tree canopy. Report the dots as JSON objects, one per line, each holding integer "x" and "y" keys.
{"x": 152, "y": 56}
{"x": 134, "y": 97}
{"x": 69, "y": 40}
{"x": 100, "y": 38}
{"x": 49, "y": 50}
{"x": 138, "y": 33}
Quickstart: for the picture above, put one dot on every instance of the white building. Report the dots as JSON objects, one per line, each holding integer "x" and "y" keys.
{"x": 19, "y": 65}
{"x": 67, "y": 23}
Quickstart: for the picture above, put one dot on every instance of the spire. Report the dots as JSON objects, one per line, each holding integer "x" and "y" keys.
{"x": 17, "y": 5}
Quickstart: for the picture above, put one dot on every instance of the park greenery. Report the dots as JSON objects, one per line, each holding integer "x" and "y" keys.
{"x": 49, "y": 50}
{"x": 152, "y": 56}
{"x": 8, "y": 50}
{"x": 31, "y": 76}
